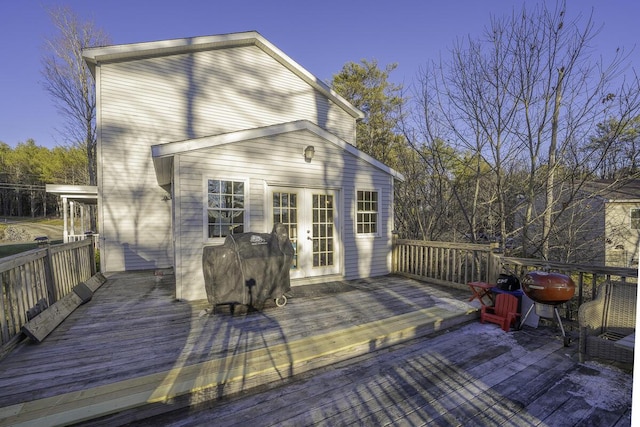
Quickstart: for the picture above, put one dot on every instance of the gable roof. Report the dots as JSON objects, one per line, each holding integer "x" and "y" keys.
{"x": 162, "y": 154}
{"x": 129, "y": 52}
{"x": 615, "y": 190}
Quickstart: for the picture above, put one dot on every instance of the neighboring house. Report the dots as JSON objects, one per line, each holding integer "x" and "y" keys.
{"x": 202, "y": 137}
{"x": 621, "y": 218}
{"x": 598, "y": 224}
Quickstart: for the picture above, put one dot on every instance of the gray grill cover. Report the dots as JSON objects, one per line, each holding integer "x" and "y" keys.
{"x": 249, "y": 268}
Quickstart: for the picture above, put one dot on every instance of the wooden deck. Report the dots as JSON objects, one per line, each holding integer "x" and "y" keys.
{"x": 368, "y": 352}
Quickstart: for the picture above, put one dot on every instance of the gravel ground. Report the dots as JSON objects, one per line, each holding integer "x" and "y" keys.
{"x": 27, "y": 231}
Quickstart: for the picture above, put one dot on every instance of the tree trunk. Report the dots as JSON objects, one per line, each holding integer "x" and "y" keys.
{"x": 546, "y": 223}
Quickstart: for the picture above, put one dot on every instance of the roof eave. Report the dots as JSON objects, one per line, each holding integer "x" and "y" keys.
{"x": 162, "y": 152}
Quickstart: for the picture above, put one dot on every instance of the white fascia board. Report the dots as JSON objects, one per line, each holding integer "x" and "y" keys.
{"x": 169, "y": 149}
{"x": 84, "y": 193}
{"x": 124, "y": 52}
{"x": 623, "y": 201}
{"x": 90, "y": 190}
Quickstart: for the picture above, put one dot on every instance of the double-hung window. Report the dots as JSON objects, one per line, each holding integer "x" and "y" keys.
{"x": 225, "y": 207}
{"x": 635, "y": 219}
{"x": 368, "y": 212}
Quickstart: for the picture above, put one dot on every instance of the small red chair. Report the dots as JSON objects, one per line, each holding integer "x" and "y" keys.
{"x": 504, "y": 312}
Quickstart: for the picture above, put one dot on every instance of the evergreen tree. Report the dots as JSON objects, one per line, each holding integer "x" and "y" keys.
{"x": 367, "y": 87}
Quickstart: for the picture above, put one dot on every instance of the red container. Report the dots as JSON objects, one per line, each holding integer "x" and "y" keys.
{"x": 548, "y": 288}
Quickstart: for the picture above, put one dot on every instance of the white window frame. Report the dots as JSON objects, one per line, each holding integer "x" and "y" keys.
{"x": 378, "y": 212}
{"x": 205, "y": 210}
{"x": 631, "y": 219}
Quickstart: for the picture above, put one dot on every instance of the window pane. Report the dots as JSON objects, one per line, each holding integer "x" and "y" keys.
{"x": 225, "y": 207}
{"x": 214, "y": 201}
{"x": 238, "y": 203}
{"x": 635, "y": 219}
{"x": 238, "y": 217}
{"x": 367, "y": 212}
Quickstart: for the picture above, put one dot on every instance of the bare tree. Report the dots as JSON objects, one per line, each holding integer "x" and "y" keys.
{"x": 68, "y": 80}
{"x": 563, "y": 91}
{"x": 525, "y": 99}
{"x": 467, "y": 101}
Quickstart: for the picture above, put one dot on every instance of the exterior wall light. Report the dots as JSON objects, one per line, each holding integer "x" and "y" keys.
{"x": 308, "y": 153}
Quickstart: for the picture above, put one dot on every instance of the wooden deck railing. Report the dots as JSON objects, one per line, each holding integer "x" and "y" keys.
{"x": 42, "y": 276}
{"x": 33, "y": 280}
{"x": 586, "y": 277}
{"x": 456, "y": 264}
{"x": 447, "y": 263}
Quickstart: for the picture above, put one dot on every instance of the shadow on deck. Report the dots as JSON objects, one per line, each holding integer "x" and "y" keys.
{"x": 134, "y": 352}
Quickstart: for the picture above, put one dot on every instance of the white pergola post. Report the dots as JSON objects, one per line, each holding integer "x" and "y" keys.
{"x": 65, "y": 232}
{"x": 82, "y": 219}
{"x": 73, "y": 218}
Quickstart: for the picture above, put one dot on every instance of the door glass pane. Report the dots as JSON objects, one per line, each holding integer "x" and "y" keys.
{"x": 285, "y": 212}
{"x": 322, "y": 230}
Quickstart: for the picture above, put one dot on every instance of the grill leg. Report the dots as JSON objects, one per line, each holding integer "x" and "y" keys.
{"x": 566, "y": 339}
{"x": 524, "y": 319}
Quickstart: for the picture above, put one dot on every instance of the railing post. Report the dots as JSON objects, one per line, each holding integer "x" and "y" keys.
{"x": 394, "y": 255}
{"x": 92, "y": 255}
{"x": 493, "y": 264}
{"x": 49, "y": 277}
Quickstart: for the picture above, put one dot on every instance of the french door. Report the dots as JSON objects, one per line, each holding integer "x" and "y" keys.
{"x": 311, "y": 216}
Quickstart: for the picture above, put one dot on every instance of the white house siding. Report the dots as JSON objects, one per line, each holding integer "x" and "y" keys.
{"x": 278, "y": 160}
{"x": 164, "y": 99}
{"x": 621, "y": 242}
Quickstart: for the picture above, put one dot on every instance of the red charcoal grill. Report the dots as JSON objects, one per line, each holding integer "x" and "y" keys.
{"x": 548, "y": 291}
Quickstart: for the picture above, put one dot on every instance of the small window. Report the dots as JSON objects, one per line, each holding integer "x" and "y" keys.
{"x": 367, "y": 212}
{"x": 225, "y": 207}
{"x": 635, "y": 219}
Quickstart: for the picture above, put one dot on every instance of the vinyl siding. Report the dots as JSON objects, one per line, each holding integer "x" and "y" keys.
{"x": 158, "y": 100}
{"x": 213, "y": 92}
{"x": 622, "y": 242}
{"x": 277, "y": 161}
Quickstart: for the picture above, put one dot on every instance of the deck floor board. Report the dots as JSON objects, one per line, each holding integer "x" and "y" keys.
{"x": 468, "y": 374}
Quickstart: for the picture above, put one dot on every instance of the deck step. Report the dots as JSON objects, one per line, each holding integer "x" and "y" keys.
{"x": 195, "y": 384}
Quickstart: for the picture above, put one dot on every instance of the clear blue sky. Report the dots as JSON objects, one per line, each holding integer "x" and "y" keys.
{"x": 320, "y": 35}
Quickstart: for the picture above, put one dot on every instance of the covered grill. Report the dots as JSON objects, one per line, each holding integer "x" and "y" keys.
{"x": 249, "y": 269}
{"x": 548, "y": 291}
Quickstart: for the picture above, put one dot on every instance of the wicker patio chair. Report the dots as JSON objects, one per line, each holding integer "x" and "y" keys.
{"x": 608, "y": 318}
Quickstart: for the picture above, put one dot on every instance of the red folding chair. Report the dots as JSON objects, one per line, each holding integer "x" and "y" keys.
{"x": 504, "y": 312}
